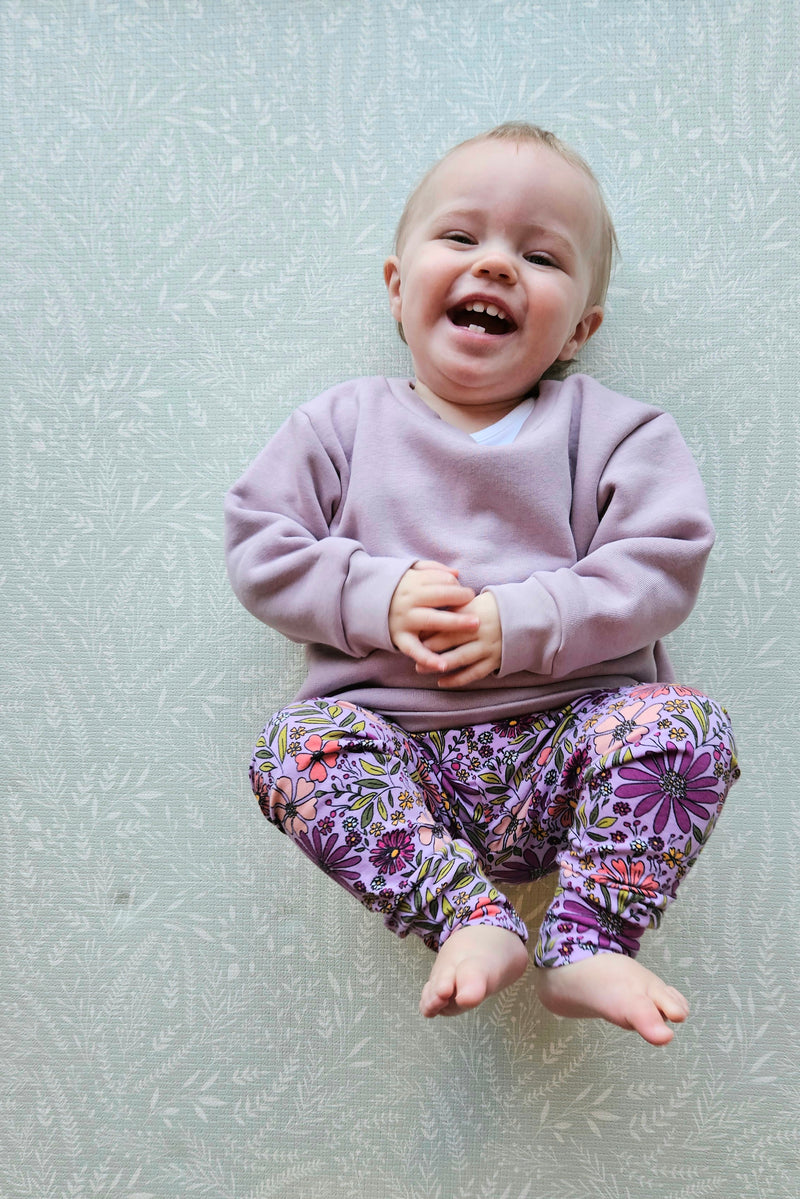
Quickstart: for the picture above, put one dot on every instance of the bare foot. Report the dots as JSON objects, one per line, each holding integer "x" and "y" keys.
{"x": 475, "y": 961}
{"x": 614, "y": 988}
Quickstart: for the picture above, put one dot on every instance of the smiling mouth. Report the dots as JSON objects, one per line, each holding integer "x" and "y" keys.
{"x": 479, "y": 317}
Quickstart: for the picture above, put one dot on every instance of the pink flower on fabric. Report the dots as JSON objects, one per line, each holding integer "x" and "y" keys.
{"x": 320, "y": 754}
{"x": 393, "y": 851}
{"x": 651, "y": 690}
{"x": 432, "y": 831}
{"x": 507, "y": 831}
{"x": 563, "y": 809}
{"x": 626, "y": 726}
{"x": 626, "y": 876}
{"x": 572, "y": 774}
{"x": 292, "y": 810}
{"x": 485, "y": 910}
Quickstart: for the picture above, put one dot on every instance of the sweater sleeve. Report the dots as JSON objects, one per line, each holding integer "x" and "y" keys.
{"x": 640, "y": 575}
{"x": 283, "y": 562}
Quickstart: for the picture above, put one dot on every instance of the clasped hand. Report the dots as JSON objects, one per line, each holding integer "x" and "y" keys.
{"x": 443, "y": 627}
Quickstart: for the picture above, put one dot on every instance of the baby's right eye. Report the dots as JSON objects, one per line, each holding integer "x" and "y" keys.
{"x": 463, "y": 239}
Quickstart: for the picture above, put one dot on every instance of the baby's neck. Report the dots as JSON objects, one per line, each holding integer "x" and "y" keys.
{"x": 470, "y": 417}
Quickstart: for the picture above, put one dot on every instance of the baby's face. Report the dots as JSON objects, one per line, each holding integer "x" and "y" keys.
{"x": 493, "y": 277}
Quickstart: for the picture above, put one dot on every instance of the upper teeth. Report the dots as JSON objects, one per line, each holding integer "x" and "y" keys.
{"x": 489, "y": 309}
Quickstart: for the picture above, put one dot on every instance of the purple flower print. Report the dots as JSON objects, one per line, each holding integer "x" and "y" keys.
{"x": 676, "y": 783}
{"x": 329, "y": 855}
{"x": 574, "y": 768}
{"x": 393, "y": 851}
{"x": 611, "y": 929}
{"x": 541, "y": 865}
{"x": 535, "y": 861}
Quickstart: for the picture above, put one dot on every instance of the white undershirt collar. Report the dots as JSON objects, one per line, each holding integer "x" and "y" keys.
{"x": 504, "y": 431}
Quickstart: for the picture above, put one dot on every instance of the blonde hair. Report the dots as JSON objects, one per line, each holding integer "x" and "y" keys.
{"x": 519, "y": 132}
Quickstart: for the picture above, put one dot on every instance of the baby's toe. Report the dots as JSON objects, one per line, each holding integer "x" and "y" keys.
{"x": 437, "y": 992}
{"x": 673, "y": 1005}
{"x": 470, "y": 985}
{"x": 646, "y": 1019}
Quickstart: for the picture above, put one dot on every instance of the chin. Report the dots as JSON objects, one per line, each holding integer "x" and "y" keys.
{"x": 477, "y": 386}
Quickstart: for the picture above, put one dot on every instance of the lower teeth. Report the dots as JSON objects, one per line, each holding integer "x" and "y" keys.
{"x": 476, "y": 329}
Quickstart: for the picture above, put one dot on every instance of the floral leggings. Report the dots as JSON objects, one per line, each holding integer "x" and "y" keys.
{"x": 618, "y": 791}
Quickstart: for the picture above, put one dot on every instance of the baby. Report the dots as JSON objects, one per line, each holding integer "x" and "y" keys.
{"x": 482, "y": 561}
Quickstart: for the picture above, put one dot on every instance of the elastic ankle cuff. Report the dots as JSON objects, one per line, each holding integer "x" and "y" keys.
{"x": 499, "y": 913}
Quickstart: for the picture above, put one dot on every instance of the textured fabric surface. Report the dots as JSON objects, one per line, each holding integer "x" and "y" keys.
{"x": 198, "y": 197}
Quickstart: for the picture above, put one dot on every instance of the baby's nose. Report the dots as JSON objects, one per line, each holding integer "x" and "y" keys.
{"x": 496, "y": 265}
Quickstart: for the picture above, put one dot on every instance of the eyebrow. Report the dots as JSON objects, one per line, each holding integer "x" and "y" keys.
{"x": 566, "y": 243}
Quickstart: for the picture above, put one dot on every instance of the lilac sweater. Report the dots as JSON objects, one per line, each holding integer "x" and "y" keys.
{"x": 591, "y": 530}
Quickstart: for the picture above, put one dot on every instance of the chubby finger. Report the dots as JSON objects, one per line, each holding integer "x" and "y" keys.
{"x": 468, "y": 662}
{"x": 442, "y": 643}
{"x": 451, "y": 638}
{"x": 439, "y": 592}
{"x": 463, "y": 655}
{"x": 470, "y": 674}
{"x": 455, "y": 660}
{"x": 425, "y": 564}
{"x": 410, "y": 645}
{"x": 435, "y": 620}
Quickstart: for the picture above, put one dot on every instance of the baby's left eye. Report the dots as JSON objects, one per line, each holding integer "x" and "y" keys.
{"x": 540, "y": 259}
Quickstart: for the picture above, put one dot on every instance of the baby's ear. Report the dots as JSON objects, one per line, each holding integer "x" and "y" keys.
{"x": 586, "y": 327}
{"x": 391, "y": 277}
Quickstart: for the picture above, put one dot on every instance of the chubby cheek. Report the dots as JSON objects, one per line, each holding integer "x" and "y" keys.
{"x": 421, "y": 312}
